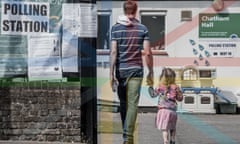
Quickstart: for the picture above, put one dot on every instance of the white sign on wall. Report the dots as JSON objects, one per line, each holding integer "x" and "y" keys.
{"x": 221, "y": 48}
{"x": 19, "y": 18}
{"x": 80, "y": 19}
{"x": 44, "y": 59}
{"x": 70, "y": 54}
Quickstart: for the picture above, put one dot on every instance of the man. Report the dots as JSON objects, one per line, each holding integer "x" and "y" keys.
{"x": 129, "y": 38}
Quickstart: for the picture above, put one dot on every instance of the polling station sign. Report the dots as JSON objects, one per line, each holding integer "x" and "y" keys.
{"x": 21, "y": 18}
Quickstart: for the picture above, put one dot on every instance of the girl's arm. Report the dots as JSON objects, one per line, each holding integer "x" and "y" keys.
{"x": 179, "y": 95}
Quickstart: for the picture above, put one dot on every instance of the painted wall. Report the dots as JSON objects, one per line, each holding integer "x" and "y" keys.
{"x": 178, "y": 34}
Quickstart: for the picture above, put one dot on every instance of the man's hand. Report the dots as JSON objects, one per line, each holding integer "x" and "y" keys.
{"x": 114, "y": 83}
{"x": 150, "y": 81}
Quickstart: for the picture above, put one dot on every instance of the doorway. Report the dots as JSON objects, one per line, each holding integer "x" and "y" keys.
{"x": 155, "y": 22}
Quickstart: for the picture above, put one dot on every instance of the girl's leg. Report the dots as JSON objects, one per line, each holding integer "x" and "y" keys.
{"x": 172, "y": 136}
{"x": 165, "y": 136}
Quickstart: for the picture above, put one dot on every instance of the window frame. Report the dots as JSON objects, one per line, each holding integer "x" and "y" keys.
{"x": 187, "y": 76}
{"x": 105, "y": 13}
{"x": 157, "y": 12}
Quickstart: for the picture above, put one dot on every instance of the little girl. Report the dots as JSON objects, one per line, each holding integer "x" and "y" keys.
{"x": 168, "y": 93}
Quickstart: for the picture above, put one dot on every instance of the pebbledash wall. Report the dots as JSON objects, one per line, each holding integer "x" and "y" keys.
{"x": 31, "y": 112}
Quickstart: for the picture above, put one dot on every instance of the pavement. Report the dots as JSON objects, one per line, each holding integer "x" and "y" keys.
{"x": 33, "y": 142}
{"x": 191, "y": 129}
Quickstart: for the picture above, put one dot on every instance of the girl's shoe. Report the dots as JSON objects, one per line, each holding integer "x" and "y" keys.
{"x": 172, "y": 142}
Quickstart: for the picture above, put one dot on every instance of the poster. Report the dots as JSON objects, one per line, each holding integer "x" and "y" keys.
{"x": 19, "y": 18}
{"x": 80, "y": 19}
{"x": 70, "y": 54}
{"x": 44, "y": 61}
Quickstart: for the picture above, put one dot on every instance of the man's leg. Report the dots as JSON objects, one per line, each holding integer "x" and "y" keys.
{"x": 133, "y": 93}
{"x": 122, "y": 94}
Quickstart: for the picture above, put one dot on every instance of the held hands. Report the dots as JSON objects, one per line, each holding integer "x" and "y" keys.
{"x": 152, "y": 92}
{"x": 179, "y": 94}
{"x": 178, "y": 91}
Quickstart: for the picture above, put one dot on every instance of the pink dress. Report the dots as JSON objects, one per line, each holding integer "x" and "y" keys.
{"x": 166, "y": 117}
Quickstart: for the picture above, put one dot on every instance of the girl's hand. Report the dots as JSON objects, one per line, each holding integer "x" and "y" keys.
{"x": 179, "y": 94}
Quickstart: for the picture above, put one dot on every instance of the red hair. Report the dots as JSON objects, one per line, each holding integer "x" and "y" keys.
{"x": 130, "y": 7}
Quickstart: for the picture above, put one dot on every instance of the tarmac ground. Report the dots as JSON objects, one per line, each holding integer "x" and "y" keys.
{"x": 191, "y": 129}
{"x": 33, "y": 142}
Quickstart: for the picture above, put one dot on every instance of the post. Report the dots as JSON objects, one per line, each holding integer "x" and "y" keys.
{"x": 87, "y": 73}
{"x": 88, "y": 89}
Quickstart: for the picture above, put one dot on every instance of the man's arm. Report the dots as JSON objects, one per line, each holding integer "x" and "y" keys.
{"x": 113, "y": 58}
{"x": 149, "y": 61}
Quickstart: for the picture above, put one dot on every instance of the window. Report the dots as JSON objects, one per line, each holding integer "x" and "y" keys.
{"x": 189, "y": 100}
{"x": 155, "y": 22}
{"x": 190, "y": 74}
{"x": 205, "y": 100}
{"x": 103, "y": 37}
{"x": 186, "y": 15}
{"x": 205, "y": 73}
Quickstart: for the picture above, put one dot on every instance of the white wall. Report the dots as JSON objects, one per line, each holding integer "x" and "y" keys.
{"x": 179, "y": 33}
{"x": 173, "y": 19}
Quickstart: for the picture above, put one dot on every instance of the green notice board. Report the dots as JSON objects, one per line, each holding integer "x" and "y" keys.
{"x": 224, "y": 25}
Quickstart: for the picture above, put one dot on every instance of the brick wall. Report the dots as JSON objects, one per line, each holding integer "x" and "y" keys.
{"x": 33, "y": 113}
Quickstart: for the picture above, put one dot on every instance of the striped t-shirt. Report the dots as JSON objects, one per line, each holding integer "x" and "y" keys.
{"x": 129, "y": 44}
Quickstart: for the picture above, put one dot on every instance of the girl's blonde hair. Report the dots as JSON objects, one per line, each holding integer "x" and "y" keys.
{"x": 167, "y": 77}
